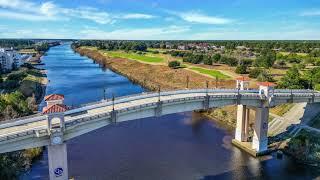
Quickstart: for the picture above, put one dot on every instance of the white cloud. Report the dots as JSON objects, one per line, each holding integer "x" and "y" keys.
{"x": 196, "y": 17}
{"x": 171, "y": 32}
{"x": 137, "y": 16}
{"x": 16, "y": 4}
{"x": 26, "y": 10}
{"x": 90, "y": 14}
{"x": 24, "y": 16}
{"x": 313, "y": 12}
{"x": 48, "y": 8}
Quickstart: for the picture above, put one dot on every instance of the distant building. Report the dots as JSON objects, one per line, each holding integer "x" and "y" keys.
{"x": 182, "y": 47}
{"x": 169, "y": 46}
{"x": 9, "y": 58}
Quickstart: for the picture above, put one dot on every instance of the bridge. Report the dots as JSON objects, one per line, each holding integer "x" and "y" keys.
{"x": 57, "y": 123}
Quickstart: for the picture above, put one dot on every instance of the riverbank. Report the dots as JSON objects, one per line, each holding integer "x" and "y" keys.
{"x": 22, "y": 92}
{"x": 152, "y": 76}
{"x": 305, "y": 148}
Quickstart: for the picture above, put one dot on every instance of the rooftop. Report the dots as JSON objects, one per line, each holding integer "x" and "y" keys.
{"x": 269, "y": 84}
{"x": 53, "y": 97}
{"x": 243, "y": 78}
{"x": 55, "y": 109}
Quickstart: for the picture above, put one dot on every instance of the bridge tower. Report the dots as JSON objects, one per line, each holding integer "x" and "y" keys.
{"x": 241, "y": 135}
{"x": 57, "y": 150}
{"x": 260, "y": 136}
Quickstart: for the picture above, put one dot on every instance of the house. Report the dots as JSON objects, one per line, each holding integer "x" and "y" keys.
{"x": 9, "y": 59}
{"x": 182, "y": 47}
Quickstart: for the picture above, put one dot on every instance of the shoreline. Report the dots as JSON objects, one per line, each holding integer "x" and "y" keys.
{"x": 151, "y": 76}
{"x": 222, "y": 116}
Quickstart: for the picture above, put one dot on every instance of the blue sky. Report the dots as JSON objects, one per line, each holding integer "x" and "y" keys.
{"x": 160, "y": 19}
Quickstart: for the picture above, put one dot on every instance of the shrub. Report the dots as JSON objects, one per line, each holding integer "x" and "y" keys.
{"x": 254, "y": 73}
{"x": 207, "y": 60}
{"x": 265, "y": 76}
{"x": 16, "y": 76}
{"x": 242, "y": 69}
{"x": 216, "y": 57}
{"x": 174, "y": 64}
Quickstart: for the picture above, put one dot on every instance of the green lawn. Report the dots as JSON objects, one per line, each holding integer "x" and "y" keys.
{"x": 210, "y": 72}
{"x": 133, "y": 56}
{"x": 281, "y": 109}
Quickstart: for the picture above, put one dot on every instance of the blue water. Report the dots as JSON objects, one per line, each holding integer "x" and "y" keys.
{"x": 166, "y": 148}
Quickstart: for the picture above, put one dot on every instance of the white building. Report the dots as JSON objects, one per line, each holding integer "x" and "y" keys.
{"x": 9, "y": 58}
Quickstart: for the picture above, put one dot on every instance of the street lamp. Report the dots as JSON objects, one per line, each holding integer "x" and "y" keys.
{"x": 159, "y": 90}
{"x": 187, "y": 82}
{"x": 112, "y": 101}
{"x": 207, "y": 87}
{"x": 104, "y": 93}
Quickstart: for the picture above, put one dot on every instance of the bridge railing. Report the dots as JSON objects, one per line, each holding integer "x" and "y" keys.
{"x": 118, "y": 100}
{"x": 88, "y": 117}
{"x": 22, "y": 120}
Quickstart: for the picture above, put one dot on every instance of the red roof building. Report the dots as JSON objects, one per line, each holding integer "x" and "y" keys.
{"x": 268, "y": 84}
{"x": 243, "y": 78}
{"x": 56, "y": 108}
{"x": 53, "y": 97}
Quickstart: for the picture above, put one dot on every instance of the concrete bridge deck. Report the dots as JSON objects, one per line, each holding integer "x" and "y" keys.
{"x": 53, "y": 128}
{"x": 37, "y": 125}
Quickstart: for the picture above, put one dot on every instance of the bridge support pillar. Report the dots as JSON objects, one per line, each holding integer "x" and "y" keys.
{"x": 241, "y": 134}
{"x": 260, "y": 137}
{"x": 57, "y": 157}
{"x": 206, "y": 102}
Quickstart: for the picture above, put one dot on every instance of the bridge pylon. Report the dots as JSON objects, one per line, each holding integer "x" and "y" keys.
{"x": 57, "y": 149}
{"x": 259, "y": 143}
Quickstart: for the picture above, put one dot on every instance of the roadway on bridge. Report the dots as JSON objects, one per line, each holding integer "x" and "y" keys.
{"x": 38, "y": 125}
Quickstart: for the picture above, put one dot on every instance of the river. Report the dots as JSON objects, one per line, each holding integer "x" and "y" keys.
{"x": 165, "y": 148}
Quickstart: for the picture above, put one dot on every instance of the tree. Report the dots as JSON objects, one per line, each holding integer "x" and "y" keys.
{"x": 241, "y": 69}
{"x": 266, "y": 59}
{"x": 174, "y": 64}
{"x": 197, "y": 58}
{"x": 313, "y": 78}
{"x": 207, "y": 60}
{"x": 216, "y": 57}
{"x": 265, "y": 76}
{"x": 1, "y": 79}
{"x": 293, "y": 79}
{"x": 229, "y": 60}
{"x": 254, "y": 73}
{"x": 246, "y": 62}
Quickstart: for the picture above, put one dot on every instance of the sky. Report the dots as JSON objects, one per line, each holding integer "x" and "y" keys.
{"x": 161, "y": 19}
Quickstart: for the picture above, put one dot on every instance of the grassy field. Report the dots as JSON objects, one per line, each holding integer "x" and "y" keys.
{"x": 133, "y": 56}
{"x": 31, "y": 51}
{"x": 210, "y": 72}
{"x": 281, "y": 109}
{"x": 287, "y": 53}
